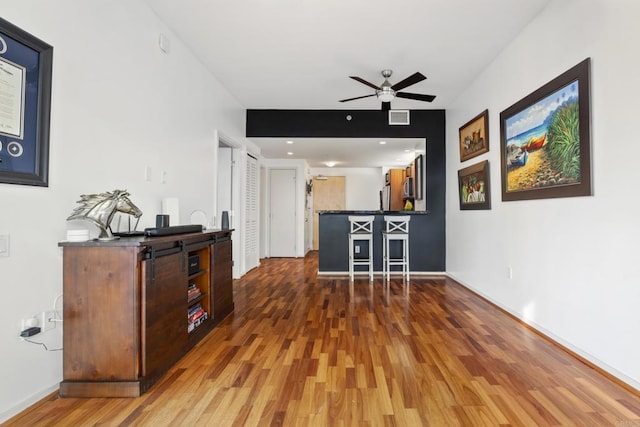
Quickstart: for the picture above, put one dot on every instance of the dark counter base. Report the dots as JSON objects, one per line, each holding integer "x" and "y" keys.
{"x": 426, "y": 242}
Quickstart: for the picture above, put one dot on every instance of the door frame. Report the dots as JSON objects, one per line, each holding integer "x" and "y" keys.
{"x": 237, "y": 200}
{"x": 301, "y": 168}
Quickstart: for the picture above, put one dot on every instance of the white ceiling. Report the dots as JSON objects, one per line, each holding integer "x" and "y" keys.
{"x": 347, "y": 153}
{"x": 299, "y": 54}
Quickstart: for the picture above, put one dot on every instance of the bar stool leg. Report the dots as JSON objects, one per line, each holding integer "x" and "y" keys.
{"x": 371, "y": 259}
{"x": 384, "y": 257}
{"x": 350, "y": 258}
{"x": 388, "y": 261}
{"x": 406, "y": 243}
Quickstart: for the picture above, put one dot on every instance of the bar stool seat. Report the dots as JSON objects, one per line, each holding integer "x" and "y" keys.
{"x": 361, "y": 229}
{"x": 396, "y": 229}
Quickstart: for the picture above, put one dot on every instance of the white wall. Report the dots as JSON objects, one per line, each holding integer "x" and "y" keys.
{"x": 575, "y": 260}
{"x": 362, "y": 186}
{"x": 118, "y": 104}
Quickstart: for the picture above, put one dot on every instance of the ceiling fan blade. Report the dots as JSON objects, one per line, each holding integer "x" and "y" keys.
{"x": 411, "y": 80}
{"x": 371, "y": 85}
{"x": 416, "y": 96}
{"x": 357, "y": 97}
{"x": 386, "y": 106}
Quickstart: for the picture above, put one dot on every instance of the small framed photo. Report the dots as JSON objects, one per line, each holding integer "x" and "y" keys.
{"x": 473, "y": 187}
{"x": 474, "y": 136}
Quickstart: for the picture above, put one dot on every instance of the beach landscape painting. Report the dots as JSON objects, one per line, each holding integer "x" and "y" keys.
{"x": 545, "y": 144}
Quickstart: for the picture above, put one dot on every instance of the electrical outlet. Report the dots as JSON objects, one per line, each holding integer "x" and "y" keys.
{"x": 45, "y": 323}
{"x": 357, "y": 249}
{"x": 29, "y": 322}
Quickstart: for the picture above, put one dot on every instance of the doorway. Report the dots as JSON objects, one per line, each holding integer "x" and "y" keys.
{"x": 328, "y": 195}
{"x": 229, "y": 165}
{"x": 224, "y": 195}
{"x": 282, "y": 213}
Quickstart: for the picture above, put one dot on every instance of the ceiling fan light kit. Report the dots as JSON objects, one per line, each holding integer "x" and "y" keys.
{"x": 386, "y": 92}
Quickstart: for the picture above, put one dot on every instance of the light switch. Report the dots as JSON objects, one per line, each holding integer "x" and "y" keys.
{"x": 4, "y": 245}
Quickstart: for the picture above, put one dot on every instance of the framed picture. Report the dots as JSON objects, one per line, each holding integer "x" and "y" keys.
{"x": 25, "y": 96}
{"x": 545, "y": 142}
{"x": 473, "y": 187}
{"x": 474, "y": 136}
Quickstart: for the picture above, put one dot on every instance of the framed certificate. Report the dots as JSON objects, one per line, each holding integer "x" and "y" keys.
{"x": 25, "y": 105}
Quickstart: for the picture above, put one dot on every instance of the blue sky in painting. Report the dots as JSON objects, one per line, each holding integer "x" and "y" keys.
{"x": 536, "y": 114}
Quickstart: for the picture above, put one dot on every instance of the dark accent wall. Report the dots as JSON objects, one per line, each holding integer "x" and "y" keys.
{"x": 428, "y": 124}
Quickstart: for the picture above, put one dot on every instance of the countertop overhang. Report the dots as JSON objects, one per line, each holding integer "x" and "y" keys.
{"x": 374, "y": 212}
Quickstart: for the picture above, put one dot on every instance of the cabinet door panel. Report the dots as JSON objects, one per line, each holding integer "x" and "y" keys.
{"x": 99, "y": 345}
{"x": 165, "y": 312}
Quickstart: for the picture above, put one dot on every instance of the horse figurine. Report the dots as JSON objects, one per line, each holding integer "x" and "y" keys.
{"x": 101, "y": 208}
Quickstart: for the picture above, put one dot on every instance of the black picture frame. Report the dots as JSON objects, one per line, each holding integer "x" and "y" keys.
{"x": 24, "y": 148}
{"x": 545, "y": 145}
{"x": 419, "y": 177}
{"x": 474, "y": 189}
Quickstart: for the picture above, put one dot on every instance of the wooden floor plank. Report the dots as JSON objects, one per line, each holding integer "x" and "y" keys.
{"x": 312, "y": 351}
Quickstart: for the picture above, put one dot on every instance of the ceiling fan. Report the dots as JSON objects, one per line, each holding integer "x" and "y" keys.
{"x": 386, "y": 91}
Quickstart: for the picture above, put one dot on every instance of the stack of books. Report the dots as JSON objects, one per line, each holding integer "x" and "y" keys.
{"x": 196, "y": 315}
{"x": 193, "y": 291}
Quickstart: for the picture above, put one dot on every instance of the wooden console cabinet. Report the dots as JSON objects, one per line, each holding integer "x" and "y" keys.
{"x": 126, "y": 308}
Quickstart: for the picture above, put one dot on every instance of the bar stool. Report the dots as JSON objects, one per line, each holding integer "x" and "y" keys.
{"x": 361, "y": 229}
{"x": 396, "y": 229}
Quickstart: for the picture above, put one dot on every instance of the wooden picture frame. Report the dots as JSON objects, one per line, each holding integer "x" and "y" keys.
{"x": 474, "y": 188}
{"x": 25, "y": 92}
{"x": 474, "y": 136}
{"x": 545, "y": 148}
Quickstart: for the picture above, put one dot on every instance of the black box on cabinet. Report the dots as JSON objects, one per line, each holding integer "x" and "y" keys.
{"x": 194, "y": 264}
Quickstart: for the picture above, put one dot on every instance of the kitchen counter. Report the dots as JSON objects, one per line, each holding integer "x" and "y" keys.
{"x": 375, "y": 212}
{"x": 333, "y": 242}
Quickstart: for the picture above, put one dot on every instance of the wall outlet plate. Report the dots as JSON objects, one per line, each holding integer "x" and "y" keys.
{"x": 45, "y": 323}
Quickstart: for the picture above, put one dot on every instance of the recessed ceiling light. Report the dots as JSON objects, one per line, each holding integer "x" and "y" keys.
{"x": 290, "y": 153}
{"x": 289, "y": 142}
{"x": 330, "y": 164}
{"x": 383, "y": 142}
{"x": 407, "y": 151}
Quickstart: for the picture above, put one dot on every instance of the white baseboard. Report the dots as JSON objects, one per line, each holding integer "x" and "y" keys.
{"x": 550, "y": 335}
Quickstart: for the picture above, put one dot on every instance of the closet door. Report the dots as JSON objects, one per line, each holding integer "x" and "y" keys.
{"x": 252, "y": 214}
{"x": 282, "y": 213}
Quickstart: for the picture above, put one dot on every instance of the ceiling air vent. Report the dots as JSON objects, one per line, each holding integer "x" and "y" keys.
{"x": 398, "y": 117}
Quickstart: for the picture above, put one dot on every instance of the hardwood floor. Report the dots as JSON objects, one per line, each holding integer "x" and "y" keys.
{"x": 302, "y": 350}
